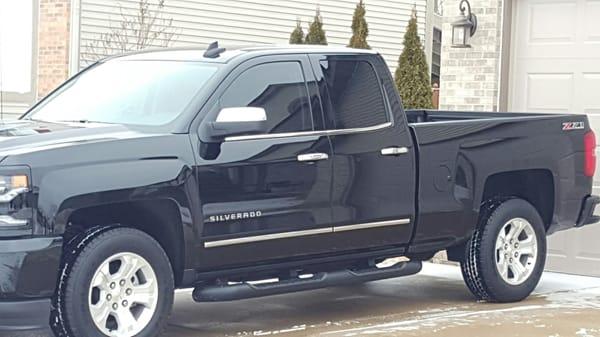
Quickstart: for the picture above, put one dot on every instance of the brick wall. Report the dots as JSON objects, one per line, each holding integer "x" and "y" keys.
{"x": 469, "y": 77}
{"x": 53, "y": 44}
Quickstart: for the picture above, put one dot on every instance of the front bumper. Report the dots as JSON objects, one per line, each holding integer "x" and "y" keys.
{"x": 24, "y": 315}
{"x": 28, "y": 275}
{"x": 586, "y": 216}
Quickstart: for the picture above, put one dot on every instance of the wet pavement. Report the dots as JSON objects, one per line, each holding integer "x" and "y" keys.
{"x": 432, "y": 303}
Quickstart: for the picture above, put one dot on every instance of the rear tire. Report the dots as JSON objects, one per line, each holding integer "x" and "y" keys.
{"x": 505, "y": 258}
{"x": 114, "y": 282}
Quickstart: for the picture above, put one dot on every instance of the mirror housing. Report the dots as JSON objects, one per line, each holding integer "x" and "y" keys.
{"x": 238, "y": 121}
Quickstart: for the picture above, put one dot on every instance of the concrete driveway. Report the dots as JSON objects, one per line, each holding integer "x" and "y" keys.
{"x": 432, "y": 303}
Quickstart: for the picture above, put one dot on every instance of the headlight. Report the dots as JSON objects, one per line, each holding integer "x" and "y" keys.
{"x": 15, "y": 209}
{"x": 12, "y": 186}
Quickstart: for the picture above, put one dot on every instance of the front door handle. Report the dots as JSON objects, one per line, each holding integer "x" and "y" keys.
{"x": 394, "y": 151}
{"x": 308, "y": 157}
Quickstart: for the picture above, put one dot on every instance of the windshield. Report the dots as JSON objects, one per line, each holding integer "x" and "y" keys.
{"x": 127, "y": 92}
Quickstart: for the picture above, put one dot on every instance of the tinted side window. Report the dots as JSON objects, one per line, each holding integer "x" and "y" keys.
{"x": 354, "y": 92}
{"x": 280, "y": 89}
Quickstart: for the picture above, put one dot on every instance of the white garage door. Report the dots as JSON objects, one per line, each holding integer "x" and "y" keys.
{"x": 555, "y": 67}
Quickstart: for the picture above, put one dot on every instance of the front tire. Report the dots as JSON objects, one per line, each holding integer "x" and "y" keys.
{"x": 505, "y": 258}
{"x": 114, "y": 282}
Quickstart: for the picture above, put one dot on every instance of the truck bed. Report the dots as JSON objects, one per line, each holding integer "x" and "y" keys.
{"x": 458, "y": 152}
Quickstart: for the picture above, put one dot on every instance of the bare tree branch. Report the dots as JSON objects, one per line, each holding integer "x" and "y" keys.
{"x": 147, "y": 27}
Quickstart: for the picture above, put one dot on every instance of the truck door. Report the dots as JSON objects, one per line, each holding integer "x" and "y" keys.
{"x": 373, "y": 195}
{"x": 267, "y": 196}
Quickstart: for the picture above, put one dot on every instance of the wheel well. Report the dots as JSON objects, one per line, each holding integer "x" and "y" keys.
{"x": 158, "y": 218}
{"x": 535, "y": 186}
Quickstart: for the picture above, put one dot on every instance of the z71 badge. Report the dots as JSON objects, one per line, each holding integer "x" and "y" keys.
{"x": 568, "y": 126}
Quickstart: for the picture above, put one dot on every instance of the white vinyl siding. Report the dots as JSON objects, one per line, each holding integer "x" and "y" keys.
{"x": 11, "y": 110}
{"x": 251, "y": 22}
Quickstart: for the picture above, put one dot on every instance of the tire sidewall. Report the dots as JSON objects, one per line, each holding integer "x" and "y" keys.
{"x": 121, "y": 240}
{"x": 498, "y": 288}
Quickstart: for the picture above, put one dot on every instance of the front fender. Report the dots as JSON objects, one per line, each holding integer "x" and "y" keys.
{"x": 62, "y": 191}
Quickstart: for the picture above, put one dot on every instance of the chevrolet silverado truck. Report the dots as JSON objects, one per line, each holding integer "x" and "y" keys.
{"x": 263, "y": 171}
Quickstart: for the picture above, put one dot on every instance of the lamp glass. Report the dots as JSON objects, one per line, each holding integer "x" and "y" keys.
{"x": 458, "y": 35}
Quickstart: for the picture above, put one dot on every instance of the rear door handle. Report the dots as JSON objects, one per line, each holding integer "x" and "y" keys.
{"x": 394, "y": 151}
{"x": 308, "y": 157}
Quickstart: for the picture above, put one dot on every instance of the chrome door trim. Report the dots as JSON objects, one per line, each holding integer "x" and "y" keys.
{"x": 267, "y": 237}
{"x": 317, "y": 231}
{"x": 310, "y": 133}
{"x": 308, "y": 157}
{"x": 394, "y": 151}
{"x": 347, "y": 228}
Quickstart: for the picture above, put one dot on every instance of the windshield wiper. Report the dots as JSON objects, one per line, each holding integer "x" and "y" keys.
{"x": 78, "y": 121}
{"x": 82, "y": 121}
{"x": 34, "y": 120}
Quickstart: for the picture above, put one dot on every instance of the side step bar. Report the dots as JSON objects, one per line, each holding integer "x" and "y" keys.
{"x": 218, "y": 293}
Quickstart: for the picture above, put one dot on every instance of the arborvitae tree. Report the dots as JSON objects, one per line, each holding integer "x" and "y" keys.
{"x": 316, "y": 34}
{"x": 297, "y": 36}
{"x": 412, "y": 75}
{"x": 360, "y": 28}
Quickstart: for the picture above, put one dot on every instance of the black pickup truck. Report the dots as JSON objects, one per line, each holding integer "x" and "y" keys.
{"x": 217, "y": 170}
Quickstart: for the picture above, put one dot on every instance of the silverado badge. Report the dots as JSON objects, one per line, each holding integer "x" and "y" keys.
{"x": 234, "y": 216}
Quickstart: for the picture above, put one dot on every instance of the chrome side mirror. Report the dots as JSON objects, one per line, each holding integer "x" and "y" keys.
{"x": 242, "y": 114}
{"x": 238, "y": 121}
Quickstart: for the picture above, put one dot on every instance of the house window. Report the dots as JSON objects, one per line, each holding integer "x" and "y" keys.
{"x": 17, "y": 57}
{"x": 436, "y": 59}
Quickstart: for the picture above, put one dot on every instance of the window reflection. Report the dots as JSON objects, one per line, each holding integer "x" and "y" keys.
{"x": 280, "y": 89}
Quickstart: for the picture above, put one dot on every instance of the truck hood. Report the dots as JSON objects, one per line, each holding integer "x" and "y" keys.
{"x": 27, "y": 136}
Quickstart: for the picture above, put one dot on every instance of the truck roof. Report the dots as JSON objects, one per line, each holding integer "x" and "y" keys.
{"x": 197, "y": 54}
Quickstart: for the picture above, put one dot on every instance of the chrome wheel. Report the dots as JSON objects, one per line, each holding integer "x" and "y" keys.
{"x": 516, "y": 251}
{"x": 123, "y": 295}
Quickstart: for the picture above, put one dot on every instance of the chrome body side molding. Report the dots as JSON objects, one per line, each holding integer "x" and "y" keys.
{"x": 267, "y": 237}
{"x": 317, "y": 231}
{"x": 347, "y": 228}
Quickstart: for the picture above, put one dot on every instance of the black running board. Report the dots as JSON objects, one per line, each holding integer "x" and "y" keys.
{"x": 218, "y": 293}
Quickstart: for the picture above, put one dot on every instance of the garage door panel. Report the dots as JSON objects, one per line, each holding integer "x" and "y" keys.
{"x": 591, "y": 21}
{"x": 555, "y": 67}
{"x": 590, "y": 98}
{"x": 538, "y": 87}
{"x": 587, "y": 50}
{"x": 532, "y": 83}
{"x": 557, "y": 28}
{"x": 575, "y": 251}
{"x": 590, "y": 88}
{"x": 543, "y": 17}
{"x": 585, "y": 242}
{"x": 557, "y": 245}
{"x": 594, "y": 118}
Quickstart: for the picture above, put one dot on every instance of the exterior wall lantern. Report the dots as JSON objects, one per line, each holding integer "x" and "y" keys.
{"x": 464, "y": 27}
